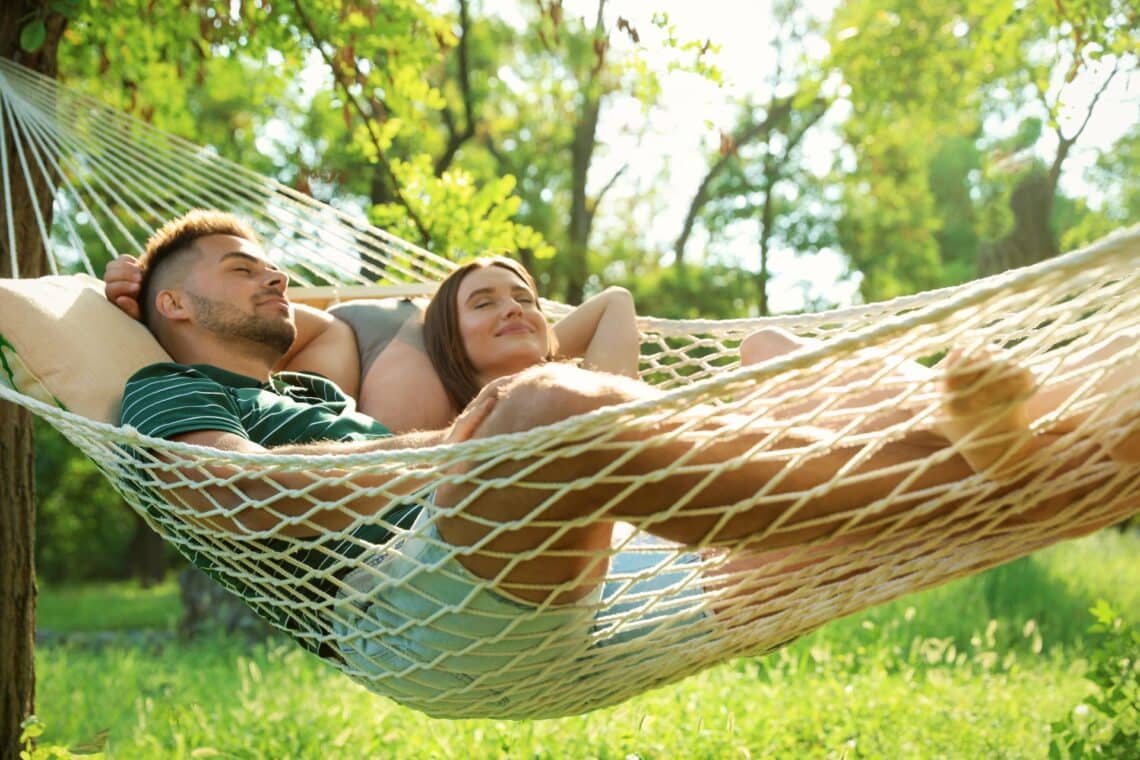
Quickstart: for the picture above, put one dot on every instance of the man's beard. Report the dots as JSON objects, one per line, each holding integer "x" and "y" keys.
{"x": 223, "y": 318}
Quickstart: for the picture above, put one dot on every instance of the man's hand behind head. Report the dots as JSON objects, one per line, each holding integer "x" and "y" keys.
{"x": 121, "y": 283}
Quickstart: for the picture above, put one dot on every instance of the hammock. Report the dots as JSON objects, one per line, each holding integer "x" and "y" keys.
{"x": 667, "y": 610}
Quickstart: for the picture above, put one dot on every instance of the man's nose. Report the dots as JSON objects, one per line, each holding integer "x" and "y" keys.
{"x": 277, "y": 280}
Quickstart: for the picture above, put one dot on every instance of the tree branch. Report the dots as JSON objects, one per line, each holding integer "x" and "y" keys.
{"x": 345, "y": 86}
{"x": 778, "y": 110}
{"x": 597, "y": 200}
{"x": 456, "y": 139}
{"x": 1065, "y": 144}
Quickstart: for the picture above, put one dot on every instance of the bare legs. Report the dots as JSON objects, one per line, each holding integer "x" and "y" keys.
{"x": 976, "y": 386}
{"x": 787, "y": 495}
{"x": 705, "y": 504}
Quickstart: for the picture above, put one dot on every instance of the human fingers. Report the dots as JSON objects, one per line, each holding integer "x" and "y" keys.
{"x": 123, "y": 268}
{"x": 472, "y": 417}
{"x": 121, "y": 283}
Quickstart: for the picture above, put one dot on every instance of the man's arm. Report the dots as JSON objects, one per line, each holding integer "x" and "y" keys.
{"x": 242, "y": 500}
{"x": 324, "y": 345}
{"x": 603, "y": 333}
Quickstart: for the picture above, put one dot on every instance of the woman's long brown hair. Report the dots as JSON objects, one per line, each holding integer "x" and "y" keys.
{"x": 442, "y": 337}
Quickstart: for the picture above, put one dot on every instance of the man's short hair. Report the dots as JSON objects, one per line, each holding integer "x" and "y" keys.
{"x": 176, "y": 237}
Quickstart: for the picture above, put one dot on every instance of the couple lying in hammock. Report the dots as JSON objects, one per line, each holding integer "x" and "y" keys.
{"x": 481, "y": 365}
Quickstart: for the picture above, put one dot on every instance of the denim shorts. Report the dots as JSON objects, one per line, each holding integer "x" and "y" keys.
{"x": 415, "y": 625}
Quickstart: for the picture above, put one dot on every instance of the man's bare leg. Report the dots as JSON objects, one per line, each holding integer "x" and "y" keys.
{"x": 549, "y": 394}
{"x": 1119, "y": 361}
{"x": 773, "y": 342}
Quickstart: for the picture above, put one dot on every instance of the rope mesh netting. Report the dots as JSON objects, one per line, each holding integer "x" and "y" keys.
{"x": 838, "y": 512}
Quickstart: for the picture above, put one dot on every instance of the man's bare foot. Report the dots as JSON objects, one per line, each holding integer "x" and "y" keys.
{"x": 985, "y": 411}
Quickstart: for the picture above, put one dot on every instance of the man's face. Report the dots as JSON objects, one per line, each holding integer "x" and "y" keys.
{"x": 234, "y": 291}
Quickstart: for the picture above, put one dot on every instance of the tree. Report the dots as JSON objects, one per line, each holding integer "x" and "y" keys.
{"x": 30, "y": 35}
{"x": 759, "y": 174}
{"x": 1115, "y": 175}
{"x": 969, "y": 64}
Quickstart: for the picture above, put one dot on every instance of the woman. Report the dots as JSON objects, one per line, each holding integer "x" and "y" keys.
{"x": 484, "y": 323}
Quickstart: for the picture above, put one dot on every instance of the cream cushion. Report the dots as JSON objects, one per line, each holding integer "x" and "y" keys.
{"x": 63, "y": 342}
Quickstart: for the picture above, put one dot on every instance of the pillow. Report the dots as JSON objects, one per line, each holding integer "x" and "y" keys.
{"x": 64, "y": 343}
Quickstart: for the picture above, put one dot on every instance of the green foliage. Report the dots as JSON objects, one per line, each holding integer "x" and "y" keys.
{"x": 33, "y": 35}
{"x": 83, "y": 528}
{"x": 464, "y": 217}
{"x": 912, "y": 220}
{"x": 33, "y": 728}
{"x": 108, "y": 607}
{"x": 712, "y": 291}
{"x": 1106, "y": 723}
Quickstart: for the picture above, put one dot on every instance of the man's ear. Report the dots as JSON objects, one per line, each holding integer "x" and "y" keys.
{"x": 171, "y": 304}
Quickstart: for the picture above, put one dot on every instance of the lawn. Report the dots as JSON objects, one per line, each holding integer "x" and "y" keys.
{"x": 976, "y": 668}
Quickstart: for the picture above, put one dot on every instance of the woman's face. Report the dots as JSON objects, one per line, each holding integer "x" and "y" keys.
{"x": 502, "y": 328}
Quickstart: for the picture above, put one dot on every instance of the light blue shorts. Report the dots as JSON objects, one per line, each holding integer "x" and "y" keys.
{"x": 415, "y": 625}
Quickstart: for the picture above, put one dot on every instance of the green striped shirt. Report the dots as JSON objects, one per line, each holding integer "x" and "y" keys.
{"x": 166, "y": 400}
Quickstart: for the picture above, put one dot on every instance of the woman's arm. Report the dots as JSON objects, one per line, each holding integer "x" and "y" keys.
{"x": 603, "y": 333}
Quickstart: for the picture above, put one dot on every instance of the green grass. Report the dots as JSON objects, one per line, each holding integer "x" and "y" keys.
{"x": 108, "y": 607}
{"x": 976, "y": 668}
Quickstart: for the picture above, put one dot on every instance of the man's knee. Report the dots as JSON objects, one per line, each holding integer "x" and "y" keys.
{"x": 768, "y": 343}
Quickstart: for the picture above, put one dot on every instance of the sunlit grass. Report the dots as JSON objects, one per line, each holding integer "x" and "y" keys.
{"x": 977, "y": 668}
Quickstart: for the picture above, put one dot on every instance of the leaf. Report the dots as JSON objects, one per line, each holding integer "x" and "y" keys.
{"x": 32, "y": 36}
{"x": 69, "y": 8}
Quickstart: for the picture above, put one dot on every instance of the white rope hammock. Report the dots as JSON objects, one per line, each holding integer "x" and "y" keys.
{"x": 668, "y": 611}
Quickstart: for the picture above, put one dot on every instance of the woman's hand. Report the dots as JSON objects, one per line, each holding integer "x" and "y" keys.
{"x": 469, "y": 420}
{"x": 121, "y": 283}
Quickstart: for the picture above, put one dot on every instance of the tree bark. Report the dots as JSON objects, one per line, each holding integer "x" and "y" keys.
{"x": 582, "y": 155}
{"x": 146, "y": 554}
{"x": 17, "y": 475}
{"x": 582, "y": 147}
{"x": 1031, "y": 239}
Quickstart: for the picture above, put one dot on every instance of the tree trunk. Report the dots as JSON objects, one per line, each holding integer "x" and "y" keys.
{"x": 17, "y": 476}
{"x": 582, "y": 155}
{"x": 767, "y": 217}
{"x": 1031, "y": 240}
{"x": 147, "y": 554}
